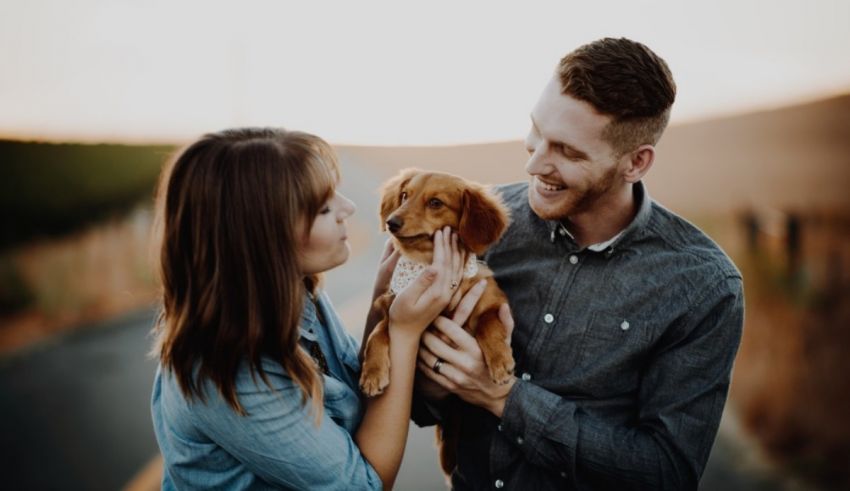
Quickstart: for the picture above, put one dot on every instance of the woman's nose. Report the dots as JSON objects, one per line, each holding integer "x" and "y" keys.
{"x": 348, "y": 207}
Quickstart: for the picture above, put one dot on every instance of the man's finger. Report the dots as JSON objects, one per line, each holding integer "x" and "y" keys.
{"x": 467, "y": 305}
{"x": 390, "y": 261}
{"x": 389, "y": 248}
{"x": 507, "y": 319}
{"x": 456, "y": 334}
{"x": 442, "y": 378}
{"x": 439, "y": 348}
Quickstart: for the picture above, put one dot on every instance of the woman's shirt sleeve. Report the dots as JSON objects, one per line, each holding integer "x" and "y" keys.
{"x": 278, "y": 439}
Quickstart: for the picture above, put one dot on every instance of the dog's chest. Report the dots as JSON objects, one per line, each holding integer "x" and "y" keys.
{"x": 406, "y": 270}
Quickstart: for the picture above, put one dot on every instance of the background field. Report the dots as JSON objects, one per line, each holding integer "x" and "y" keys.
{"x": 770, "y": 187}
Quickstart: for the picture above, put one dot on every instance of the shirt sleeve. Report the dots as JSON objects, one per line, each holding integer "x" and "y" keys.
{"x": 681, "y": 397}
{"x": 425, "y": 412}
{"x": 279, "y": 441}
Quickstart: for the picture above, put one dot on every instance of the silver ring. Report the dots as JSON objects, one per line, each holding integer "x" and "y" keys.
{"x": 437, "y": 365}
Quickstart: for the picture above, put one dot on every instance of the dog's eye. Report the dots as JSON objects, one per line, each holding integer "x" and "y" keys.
{"x": 403, "y": 196}
{"x": 434, "y": 203}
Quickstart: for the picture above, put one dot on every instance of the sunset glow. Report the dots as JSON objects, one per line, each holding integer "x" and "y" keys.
{"x": 383, "y": 73}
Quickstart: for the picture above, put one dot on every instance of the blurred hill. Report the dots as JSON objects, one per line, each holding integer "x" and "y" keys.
{"x": 51, "y": 189}
{"x": 793, "y": 157}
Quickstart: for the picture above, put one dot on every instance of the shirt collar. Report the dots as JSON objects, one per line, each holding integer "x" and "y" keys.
{"x": 557, "y": 228}
{"x": 309, "y": 318}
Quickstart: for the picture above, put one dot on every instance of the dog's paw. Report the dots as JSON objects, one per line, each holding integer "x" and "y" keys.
{"x": 374, "y": 380}
{"x": 502, "y": 371}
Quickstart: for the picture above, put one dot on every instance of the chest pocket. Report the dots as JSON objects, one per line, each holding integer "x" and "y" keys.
{"x": 342, "y": 403}
{"x": 612, "y": 350}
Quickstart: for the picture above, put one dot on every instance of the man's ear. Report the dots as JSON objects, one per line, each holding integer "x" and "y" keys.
{"x": 638, "y": 162}
{"x": 483, "y": 219}
{"x": 391, "y": 194}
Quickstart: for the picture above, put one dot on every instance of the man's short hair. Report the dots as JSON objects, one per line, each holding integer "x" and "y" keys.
{"x": 625, "y": 80}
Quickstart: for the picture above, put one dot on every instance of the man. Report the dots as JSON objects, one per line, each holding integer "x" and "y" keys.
{"x": 627, "y": 317}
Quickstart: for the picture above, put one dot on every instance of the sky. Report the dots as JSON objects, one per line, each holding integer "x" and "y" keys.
{"x": 384, "y": 73}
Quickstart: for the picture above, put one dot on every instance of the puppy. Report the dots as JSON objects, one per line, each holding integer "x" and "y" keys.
{"x": 414, "y": 205}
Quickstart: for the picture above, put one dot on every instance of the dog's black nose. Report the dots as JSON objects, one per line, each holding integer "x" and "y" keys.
{"x": 394, "y": 224}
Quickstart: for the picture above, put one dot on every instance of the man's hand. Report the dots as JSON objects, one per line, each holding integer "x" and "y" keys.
{"x": 389, "y": 258}
{"x": 463, "y": 370}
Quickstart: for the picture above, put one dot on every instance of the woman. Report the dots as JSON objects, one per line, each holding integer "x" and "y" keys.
{"x": 257, "y": 384}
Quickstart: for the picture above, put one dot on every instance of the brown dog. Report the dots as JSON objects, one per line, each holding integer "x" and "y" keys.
{"x": 414, "y": 205}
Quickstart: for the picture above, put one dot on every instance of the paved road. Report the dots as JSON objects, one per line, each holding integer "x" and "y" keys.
{"x": 74, "y": 412}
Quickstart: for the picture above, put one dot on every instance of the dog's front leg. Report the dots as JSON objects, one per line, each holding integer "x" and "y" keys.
{"x": 492, "y": 337}
{"x": 375, "y": 373}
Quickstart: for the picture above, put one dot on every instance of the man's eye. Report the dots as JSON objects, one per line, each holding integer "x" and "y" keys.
{"x": 434, "y": 203}
{"x": 325, "y": 210}
{"x": 403, "y": 196}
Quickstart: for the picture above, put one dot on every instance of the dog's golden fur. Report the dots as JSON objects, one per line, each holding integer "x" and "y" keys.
{"x": 416, "y": 204}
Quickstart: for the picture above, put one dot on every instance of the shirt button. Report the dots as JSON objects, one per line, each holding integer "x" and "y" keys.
{"x": 562, "y": 231}
{"x": 519, "y": 440}
{"x": 526, "y": 376}
{"x": 625, "y": 325}
{"x": 548, "y": 318}
{"x": 499, "y": 484}
{"x": 499, "y": 427}
{"x": 563, "y": 474}
{"x": 573, "y": 259}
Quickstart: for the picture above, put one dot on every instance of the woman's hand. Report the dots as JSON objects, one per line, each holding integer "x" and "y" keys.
{"x": 420, "y": 302}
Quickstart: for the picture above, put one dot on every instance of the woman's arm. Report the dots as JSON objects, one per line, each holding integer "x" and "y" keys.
{"x": 383, "y": 431}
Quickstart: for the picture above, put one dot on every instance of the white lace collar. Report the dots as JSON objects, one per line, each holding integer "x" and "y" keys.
{"x": 406, "y": 270}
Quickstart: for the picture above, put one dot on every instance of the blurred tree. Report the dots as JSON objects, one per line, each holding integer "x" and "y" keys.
{"x": 51, "y": 189}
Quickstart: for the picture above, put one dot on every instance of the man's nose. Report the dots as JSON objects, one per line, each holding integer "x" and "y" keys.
{"x": 534, "y": 164}
{"x": 394, "y": 224}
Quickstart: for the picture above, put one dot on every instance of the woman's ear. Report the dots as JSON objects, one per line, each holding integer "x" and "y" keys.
{"x": 483, "y": 219}
{"x": 391, "y": 195}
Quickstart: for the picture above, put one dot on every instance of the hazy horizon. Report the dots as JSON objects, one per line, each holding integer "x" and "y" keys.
{"x": 383, "y": 73}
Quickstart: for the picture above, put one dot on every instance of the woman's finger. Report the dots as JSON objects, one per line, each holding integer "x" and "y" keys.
{"x": 439, "y": 251}
{"x": 467, "y": 304}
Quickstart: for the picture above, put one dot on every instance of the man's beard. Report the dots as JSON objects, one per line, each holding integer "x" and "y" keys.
{"x": 577, "y": 202}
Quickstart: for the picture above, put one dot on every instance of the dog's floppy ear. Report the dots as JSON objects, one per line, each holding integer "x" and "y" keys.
{"x": 483, "y": 219}
{"x": 391, "y": 194}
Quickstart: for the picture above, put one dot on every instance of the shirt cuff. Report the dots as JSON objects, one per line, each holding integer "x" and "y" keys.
{"x": 533, "y": 414}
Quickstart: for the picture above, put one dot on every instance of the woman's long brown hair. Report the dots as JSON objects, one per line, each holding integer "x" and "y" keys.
{"x": 234, "y": 206}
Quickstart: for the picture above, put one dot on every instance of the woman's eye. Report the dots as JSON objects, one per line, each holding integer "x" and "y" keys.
{"x": 325, "y": 210}
{"x": 403, "y": 196}
{"x": 434, "y": 203}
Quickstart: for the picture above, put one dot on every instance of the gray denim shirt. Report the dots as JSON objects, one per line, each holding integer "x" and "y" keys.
{"x": 623, "y": 356}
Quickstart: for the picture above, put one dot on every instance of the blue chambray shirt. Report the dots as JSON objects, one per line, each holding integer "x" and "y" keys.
{"x": 623, "y": 357}
{"x": 206, "y": 445}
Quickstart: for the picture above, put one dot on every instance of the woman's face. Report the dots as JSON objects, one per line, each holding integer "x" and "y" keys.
{"x": 326, "y": 246}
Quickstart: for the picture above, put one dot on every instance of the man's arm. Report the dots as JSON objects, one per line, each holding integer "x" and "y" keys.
{"x": 679, "y": 404}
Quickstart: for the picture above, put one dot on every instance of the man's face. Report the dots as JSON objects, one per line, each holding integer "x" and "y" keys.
{"x": 573, "y": 170}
